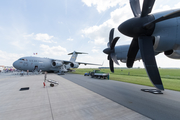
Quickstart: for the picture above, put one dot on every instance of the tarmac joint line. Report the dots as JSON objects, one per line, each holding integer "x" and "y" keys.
{"x": 50, "y": 103}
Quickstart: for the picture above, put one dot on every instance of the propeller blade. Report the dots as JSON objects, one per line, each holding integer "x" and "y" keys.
{"x": 147, "y": 53}
{"x": 108, "y": 44}
{"x": 111, "y": 65}
{"x": 133, "y": 50}
{"x": 111, "y": 35}
{"x": 147, "y": 7}
{"x": 135, "y": 7}
{"x": 114, "y": 58}
{"x": 166, "y": 17}
{"x": 108, "y": 57}
{"x": 113, "y": 42}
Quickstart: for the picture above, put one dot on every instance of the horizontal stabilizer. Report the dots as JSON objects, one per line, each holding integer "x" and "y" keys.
{"x": 77, "y": 53}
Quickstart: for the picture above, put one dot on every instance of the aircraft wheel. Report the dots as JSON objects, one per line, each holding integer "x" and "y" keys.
{"x": 52, "y": 85}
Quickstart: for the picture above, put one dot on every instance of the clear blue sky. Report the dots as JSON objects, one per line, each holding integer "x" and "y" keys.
{"x": 57, "y": 27}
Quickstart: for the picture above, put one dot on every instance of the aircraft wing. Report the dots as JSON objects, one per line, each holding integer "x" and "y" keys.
{"x": 66, "y": 62}
{"x": 89, "y": 63}
{"x": 63, "y": 61}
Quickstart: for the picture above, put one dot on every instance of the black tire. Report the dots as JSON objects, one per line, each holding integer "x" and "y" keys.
{"x": 52, "y": 85}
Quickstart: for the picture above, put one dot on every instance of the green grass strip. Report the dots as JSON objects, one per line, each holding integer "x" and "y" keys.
{"x": 170, "y": 77}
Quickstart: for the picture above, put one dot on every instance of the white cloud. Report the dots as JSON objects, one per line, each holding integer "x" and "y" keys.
{"x": 44, "y": 38}
{"x": 82, "y": 36}
{"x": 177, "y": 5}
{"x": 100, "y": 34}
{"x": 70, "y": 39}
{"x": 20, "y": 41}
{"x": 14, "y": 37}
{"x": 26, "y": 36}
{"x": 102, "y": 5}
{"x": 95, "y": 49}
{"x": 8, "y": 58}
{"x": 162, "y": 5}
{"x": 55, "y": 50}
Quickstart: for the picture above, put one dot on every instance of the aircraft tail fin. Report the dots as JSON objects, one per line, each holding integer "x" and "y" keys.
{"x": 74, "y": 55}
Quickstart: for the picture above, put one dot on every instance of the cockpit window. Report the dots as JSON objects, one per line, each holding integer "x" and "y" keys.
{"x": 22, "y": 59}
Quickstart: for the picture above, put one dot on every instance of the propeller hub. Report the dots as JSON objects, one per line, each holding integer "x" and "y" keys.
{"x": 134, "y": 27}
{"x": 108, "y": 51}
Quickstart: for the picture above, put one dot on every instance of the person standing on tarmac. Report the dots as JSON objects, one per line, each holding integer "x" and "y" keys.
{"x": 45, "y": 75}
{"x": 22, "y": 73}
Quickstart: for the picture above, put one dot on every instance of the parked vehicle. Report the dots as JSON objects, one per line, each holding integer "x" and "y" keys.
{"x": 99, "y": 74}
{"x": 87, "y": 74}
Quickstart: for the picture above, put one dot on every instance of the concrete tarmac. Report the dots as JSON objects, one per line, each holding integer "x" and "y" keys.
{"x": 66, "y": 101}
{"x": 164, "y": 106}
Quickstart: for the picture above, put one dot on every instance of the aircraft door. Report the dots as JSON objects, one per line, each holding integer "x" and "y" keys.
{"x": 36, "y": 68}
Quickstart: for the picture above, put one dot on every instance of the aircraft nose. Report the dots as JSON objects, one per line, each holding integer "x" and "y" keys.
{"x": 15, "y": 64}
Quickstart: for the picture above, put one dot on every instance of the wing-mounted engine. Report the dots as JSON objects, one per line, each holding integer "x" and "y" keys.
{"x": 174, "y": 54}
{"x": 74, "y": 65}
{"x": 56, "y": 64}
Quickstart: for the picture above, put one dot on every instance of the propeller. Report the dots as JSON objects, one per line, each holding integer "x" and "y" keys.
{"x": 141, "y": 28}
{"x": 110, "y": 50}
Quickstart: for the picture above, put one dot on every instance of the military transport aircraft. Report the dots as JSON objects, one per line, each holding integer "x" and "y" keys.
{"x": 47, "y": 64}
{"x": 152, "y": 34}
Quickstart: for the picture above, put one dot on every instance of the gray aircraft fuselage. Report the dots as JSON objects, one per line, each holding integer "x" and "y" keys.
{"x": 30, "y": 63}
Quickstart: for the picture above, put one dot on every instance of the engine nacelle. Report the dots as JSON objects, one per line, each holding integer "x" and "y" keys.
{"x": 68, "y": 66}
{"x": 57, "y": 64}
{"x": 74, "y": 65}
{"x": 174, "y": 54}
